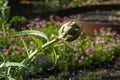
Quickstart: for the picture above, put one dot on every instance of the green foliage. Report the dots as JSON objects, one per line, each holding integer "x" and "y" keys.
{"x": 48, "y": 5}
{"x": 10, "y": 64}
{"x": 32, "y": 32}
{"x": 63, "y": 56}
{"x": 37, "y": 41}
{"x": 4, "y": 11}
{"x": 32, "y": 50}
{"x": 18, "y": 19}
{"x": 86, "y": 51}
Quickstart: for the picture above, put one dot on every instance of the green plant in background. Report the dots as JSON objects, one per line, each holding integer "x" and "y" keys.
{"x": 6, "y": 31}
{"x": 80, "y": 2}
{"x": 88, "y": 50}
{"x": 18, "y": 22}
{"x": 4, "y": 11}
{"x": 47, "y": 5}
{"x": 4, "y": 15}
{"x": 67, "y": 32}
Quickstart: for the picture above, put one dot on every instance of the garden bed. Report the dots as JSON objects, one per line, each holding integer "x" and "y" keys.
{"x": 30, "y": 54}
{"x": 104, "y": 71}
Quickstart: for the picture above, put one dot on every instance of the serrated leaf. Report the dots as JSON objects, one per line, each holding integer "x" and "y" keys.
{"x": 31, "y": 32}
{"x": 8, "y": 64}
{"x": 37, "y": 41}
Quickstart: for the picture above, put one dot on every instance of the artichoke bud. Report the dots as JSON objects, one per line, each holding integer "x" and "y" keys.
{"x": 69, "y": 31}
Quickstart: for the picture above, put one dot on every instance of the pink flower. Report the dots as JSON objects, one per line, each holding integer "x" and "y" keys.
{"x": 17, "y": 52}
{"x": 37, "y": 19}
{"x": 4, "y": 50}
{"x": 88, "y": 50}
{"x": 99, "y": 40}
{"x": 58, "y": 23}
{"x": 12, "y": 47}
{"x": 118, "y": 41}
{"x": 78, "y": 16}
{"x": 118, "y": 35}
{"x": 102, "y": 29}
{"x": 23, "y": 48}
{"x": 1, "y": 32}
{"x": 82, "y": 57}
{"x": 10, "y": 41}
{"x": 65, "y": 21}
{"x": 80, "y": 61}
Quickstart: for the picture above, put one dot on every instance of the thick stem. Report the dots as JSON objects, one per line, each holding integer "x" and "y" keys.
{"x": 28, "y": 60}
{"x": 43, "y": 47}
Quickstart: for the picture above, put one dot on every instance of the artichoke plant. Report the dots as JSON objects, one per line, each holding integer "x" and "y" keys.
{"x": 69, "y": 31}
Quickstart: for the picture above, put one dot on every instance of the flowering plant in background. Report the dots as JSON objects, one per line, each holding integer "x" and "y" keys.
{"x": 90, "y": 50}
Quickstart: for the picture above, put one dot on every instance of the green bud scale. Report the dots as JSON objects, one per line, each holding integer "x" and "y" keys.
{"x": 69, "y": 31}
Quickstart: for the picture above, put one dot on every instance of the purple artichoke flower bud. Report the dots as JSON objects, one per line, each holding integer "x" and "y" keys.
{"x": 69, "y": 31}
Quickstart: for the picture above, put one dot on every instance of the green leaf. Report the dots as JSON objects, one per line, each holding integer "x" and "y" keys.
{"x": 37, "y": 41}
{"x": 31, "y": 32}
{"x": 10, "y": 78}
{"x": 2, "y": 75}
{"x": 25, "y": 45}
{"x": 54, "y": 57}
{"x": 2, "y": 65}
{"x": 18, "y": 19}
{"x": 2, "y": 56}
{"x": 8, "y": 64}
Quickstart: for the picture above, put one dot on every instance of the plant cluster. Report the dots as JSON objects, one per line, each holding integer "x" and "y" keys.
{"x": 85, "y": 51}
{"x": 12, "y": 70}
{"x": 31, "y": 52}
{"x": 90, "y": 50}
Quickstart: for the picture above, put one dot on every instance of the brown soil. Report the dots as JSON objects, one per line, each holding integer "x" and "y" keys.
{"x": 108, "y": 71}
{"x": 105, "y": 71}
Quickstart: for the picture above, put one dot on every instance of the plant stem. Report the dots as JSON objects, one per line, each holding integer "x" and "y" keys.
{"x": 3, "y": 57}
{"x": 32, "y": 55}
{"x": 4, "y": 31}
{"x": 49, "y": 43}
{"x": 43, "y": 47}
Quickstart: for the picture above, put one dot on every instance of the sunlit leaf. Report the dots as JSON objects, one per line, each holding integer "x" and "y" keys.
{"x": 31, "y": 32}
{"x": 25, "y": 45}
{"x": 2, "y": 65}
{"x": 37, "y": 41}
{"x": 8, "y": 64}
{"x": 10, "y": 78}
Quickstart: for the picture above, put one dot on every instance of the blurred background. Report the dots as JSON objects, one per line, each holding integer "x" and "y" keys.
{"x": 44, "y": 8}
